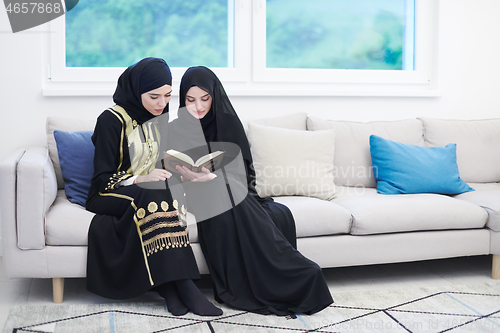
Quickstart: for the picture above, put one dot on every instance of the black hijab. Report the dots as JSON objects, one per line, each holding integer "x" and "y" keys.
{"x": 221, "y": 123}
{"x": 204, "y": 79}
{"x": 145, "y": 75}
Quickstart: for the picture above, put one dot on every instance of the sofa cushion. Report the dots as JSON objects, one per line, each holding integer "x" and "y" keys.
{"x": 291, "y": 121}
{"x": 67, "y": 224}
{"x": 68, "y": 125}
{"x": 375, "y": 213}
{"x": 76, "y": 156}
{"x": 352, "y": 161}
{"x": 406, "y": 169}
{"x": 478, "y": 145}
{"x": 315, "y": 217}
{"x": 292, "y": 162}
{"x": 486, "y": 195}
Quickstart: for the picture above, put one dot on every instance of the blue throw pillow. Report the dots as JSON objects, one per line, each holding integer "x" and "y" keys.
{"x": 76, "y": 156}
{"x": 403, "y": 169}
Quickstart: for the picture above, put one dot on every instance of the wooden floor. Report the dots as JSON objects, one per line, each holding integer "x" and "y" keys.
{"x": 433, "y": 273}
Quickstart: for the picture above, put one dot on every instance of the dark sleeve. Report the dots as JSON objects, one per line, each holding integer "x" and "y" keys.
{"x": 111, "y": 156}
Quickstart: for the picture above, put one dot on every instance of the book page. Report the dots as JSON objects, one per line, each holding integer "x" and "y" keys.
{"x": 183, "y": 157}
{"x": 207, "y": 157}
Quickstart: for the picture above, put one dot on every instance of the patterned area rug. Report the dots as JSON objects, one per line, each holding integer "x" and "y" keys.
{"x": 472, "y": 308}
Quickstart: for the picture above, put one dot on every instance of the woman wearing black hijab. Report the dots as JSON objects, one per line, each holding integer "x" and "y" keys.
{"x": 138, "y": 240}
{"x": 252, "y": 264}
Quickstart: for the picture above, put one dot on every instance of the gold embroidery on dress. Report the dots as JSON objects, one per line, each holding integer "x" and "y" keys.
{"x": 144, "y": 252}
{"x": 115, "y": 179}
{"x": 143, "y": 154}
{"x": 161, "y": 225}
{"x": 141, "y": 213}
{"x": 155, "y": 216}
{"x": 129, "y": 122}
{"x": 152, "y": 207}
{"x": 143, "y": 145}
{"x": 150, "y": 235}
{"x": 121, "y": 196}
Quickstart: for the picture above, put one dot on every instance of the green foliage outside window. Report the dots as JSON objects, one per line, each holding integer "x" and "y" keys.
{"x": 117, "y": 33}
{"x": 340, "y": 34}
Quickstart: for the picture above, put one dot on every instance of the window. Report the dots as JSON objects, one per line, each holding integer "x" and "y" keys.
{"x": 339, "y": 34}
{"x": 86, "y": 58}
{"x": 123, "y": 32}
{"x": 256, "y": 47}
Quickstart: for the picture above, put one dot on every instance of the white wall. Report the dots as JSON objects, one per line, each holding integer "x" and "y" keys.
{"x": 468, "y": 72}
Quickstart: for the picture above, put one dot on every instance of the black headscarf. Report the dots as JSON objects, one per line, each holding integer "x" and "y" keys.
{"x": 221, "y": 123}
{"x": 202, "y": 78}
{"x": 145, "y": 75}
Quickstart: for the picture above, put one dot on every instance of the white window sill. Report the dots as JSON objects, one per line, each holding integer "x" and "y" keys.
{"x": 107, "y": 89}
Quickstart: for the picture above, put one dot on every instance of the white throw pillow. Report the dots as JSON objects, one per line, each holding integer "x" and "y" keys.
{"x": 478, "y": 145}
{"x": 292, "y": 162}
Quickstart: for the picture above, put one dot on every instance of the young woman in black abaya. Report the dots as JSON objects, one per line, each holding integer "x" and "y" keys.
{"x": 138, "y": 240}
{"x": 253, "y": 264}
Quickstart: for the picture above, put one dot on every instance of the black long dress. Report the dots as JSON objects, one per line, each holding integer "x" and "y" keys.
{"x": 252, "y": 264}
{"x": 138, "y": 240}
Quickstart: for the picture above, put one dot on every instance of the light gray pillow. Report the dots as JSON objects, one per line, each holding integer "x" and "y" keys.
{"x": 352, "y": 163}
{"x": 478, "y": 145}
{"x": 292, "y": 162}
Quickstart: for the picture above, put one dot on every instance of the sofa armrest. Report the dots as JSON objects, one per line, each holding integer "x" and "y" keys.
{"x": 36, "y": 190}
{"x": 8, "y": 167}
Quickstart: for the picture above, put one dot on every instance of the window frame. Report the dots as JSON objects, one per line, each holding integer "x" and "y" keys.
{"x": 250, "y": 77}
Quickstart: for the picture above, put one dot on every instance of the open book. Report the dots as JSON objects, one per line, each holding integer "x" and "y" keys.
{"x": 209, "y": 161}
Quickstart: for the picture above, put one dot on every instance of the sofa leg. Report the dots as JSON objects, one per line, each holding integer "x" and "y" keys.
{"x": 496, "y": 267}
{"x": 58, "y": 289}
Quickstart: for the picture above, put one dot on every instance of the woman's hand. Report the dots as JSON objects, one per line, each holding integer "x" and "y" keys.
{"x": 154, "y": 176}
{"x": 188, "y": 175}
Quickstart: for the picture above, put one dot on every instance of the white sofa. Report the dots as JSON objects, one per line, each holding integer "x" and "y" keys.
{"x": 45, "y": 235}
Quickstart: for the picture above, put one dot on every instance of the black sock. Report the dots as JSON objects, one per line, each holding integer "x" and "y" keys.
{"x": 174, "y": 303}
{"x": 194, "y": 299}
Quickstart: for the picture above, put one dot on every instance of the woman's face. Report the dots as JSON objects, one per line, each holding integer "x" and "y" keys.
{"x": 198, "y": 102}
{"x": 156, "y": 100}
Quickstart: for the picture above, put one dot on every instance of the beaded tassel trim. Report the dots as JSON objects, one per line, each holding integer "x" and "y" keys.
{"x": 153, "y": 238}
{"x": 166, "y": 241}
{"x": 152, "y": 222}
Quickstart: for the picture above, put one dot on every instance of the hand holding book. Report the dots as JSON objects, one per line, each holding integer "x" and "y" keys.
{"x": 189, "y": 176}
{"x": 174, "y": 158}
